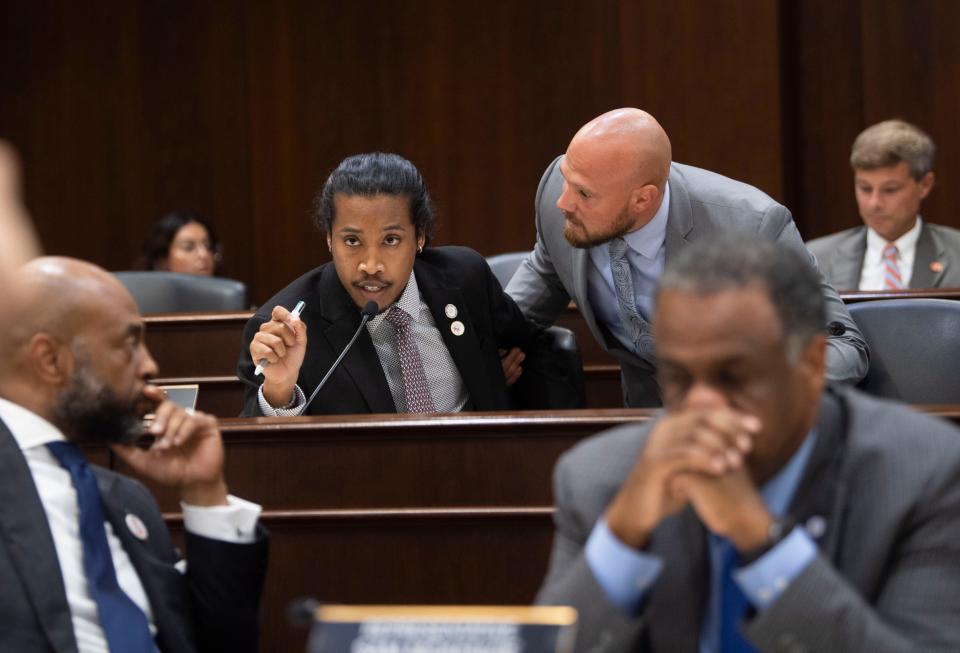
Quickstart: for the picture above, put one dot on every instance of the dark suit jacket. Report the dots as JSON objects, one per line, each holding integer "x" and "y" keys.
{"x": 840, "y": 256}
{"x": 213, "y": 607}
{"x": 886, "y": 482}
{"x": 445, "y": 275}
{"x": 703, "y": 205}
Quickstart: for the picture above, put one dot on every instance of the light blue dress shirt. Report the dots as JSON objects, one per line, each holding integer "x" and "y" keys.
{"x": 626, "y": 575}
{"x": 646, "y": 255}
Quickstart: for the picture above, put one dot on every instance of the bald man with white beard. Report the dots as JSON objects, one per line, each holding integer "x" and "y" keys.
{"x": 612, "y": 210}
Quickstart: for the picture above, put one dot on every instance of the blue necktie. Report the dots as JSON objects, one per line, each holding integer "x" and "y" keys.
{"x": 124, "y": 624}
{"x": 733, "y": 606}
{"x": 638, "y": 328}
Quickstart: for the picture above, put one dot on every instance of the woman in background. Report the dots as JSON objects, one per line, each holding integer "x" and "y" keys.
{"x": 182, "y": 242}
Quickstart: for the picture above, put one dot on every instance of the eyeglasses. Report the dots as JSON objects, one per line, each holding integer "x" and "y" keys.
{"x": 191, "y": 246}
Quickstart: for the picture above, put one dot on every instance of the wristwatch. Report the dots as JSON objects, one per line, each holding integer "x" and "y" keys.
{"x": 778, "y": 531}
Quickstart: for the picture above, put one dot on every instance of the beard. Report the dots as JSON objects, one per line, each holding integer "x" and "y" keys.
{"x": 577, "y": 235}
{"x": 93, "y": 413}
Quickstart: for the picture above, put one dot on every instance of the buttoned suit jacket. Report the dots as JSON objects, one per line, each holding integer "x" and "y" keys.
{"x": 455, "y": 276}
{"x": 703, "y": 205}
{"x": 840, "y": 256}
{"x": 884, "y": 482}
{"x": 213, "y": 606}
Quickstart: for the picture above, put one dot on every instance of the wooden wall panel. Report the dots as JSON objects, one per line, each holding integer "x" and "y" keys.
{"x": 124, "y": 110}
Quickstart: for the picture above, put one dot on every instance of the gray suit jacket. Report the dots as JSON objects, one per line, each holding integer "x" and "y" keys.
{"x": 840, "y": 256}
{"x": 885, "y": 479}
{"x": 703, "y": 204}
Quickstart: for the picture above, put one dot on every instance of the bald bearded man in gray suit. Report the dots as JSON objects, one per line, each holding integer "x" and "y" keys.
{"x": 613, "y": 210}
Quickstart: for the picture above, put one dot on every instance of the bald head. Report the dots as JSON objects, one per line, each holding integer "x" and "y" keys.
{"x": 60, "y": 296}
{"x": 628, "y": 141}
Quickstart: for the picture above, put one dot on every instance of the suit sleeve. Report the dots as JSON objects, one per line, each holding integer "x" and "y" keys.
{"x": 601, "y": 626}
{"x": 246, "y": 367}
{"x": 913, "y": 610}
{"x": 535, "y": 286}
{"x": 847, "y": 354}
{"x": 225, "y": 582}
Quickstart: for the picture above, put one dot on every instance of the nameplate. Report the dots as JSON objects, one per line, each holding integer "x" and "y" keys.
{"x": 443, "y": 629}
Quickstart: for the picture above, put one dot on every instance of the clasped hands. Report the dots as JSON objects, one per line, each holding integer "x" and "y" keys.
{"x": 696, "y": 457}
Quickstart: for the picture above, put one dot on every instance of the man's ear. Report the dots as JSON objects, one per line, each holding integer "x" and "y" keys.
{"x": 329, "y": 243}
{"x": 645, "y": 198}
{"x": 51, "y": 360}
{"x": 926, "y": 184}
{"x": 813, "y": 362}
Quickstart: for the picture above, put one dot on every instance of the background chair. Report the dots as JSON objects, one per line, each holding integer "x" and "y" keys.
{"x": 914, "y": 349}
{"x": 504, "y": 265}
{"x": 172, "y": 292}
{"x": 552, "y": 374}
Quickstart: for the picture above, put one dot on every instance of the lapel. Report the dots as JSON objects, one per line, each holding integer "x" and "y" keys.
{"x": 679, "y": 215}
{"x": 820, "y": 498}
{"x": 25, "y": 534}
{"x": 929, "y": 250}
{"x": 466, "y": 351}
{"x": 846, "y": 264}
{"x": 678, "y": 598}
{"x": 154, "y": 572}
{"x": 340, "y": 319}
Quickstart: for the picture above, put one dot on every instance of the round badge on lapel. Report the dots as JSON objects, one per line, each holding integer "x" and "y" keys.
{"x": 136, "y": 526}
{"x": 457, "y": 328}
{"x": 936, "y": 266}
{"x": 450, "y": 311}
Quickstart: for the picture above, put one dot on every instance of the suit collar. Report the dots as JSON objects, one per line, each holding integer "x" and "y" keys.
{"x": 29, "y": 543}
{"x": 929, "y": 251}
{"x": 680, "y": 216}
{"x": 439, "y": 290}
{"x": 847, "y": 261}
{"x": 819, "y": 501}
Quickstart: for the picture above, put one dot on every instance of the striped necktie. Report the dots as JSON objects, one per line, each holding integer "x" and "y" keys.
{"x": 415, "y": 385}
{"x": 639, "y": 329}
{"x": 891, "y": 270}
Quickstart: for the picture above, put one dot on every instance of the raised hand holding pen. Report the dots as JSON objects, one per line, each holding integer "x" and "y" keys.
{"x": 279, "y": 347}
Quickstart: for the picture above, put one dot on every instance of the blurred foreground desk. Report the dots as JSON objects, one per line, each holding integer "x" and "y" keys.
{"x": 395, "y": 509}
{"x": 399, "y": 509}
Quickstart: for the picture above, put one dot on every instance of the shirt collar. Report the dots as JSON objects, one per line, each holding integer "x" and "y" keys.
{"x": 904, "y": 243}
{"x": 648, "y": 239}
{"x": 28, "y": 429}
{"x": 779, "y": 490}
{"x": 409, "y": 301}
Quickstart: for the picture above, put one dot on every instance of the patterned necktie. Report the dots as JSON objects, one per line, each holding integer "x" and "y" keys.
{"x": 124, "y": 624}
{"x": 638, "y": 328}
{"x": 415, "y": 386}
{"x": 891, "y": 271}
{"x": 733, "y": 605}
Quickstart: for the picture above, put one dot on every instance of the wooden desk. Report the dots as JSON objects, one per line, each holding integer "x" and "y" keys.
{"x": 203, "y": 348}
{"x": 400, "y": 509}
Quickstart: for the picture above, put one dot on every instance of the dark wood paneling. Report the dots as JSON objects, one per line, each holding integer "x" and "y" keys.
{"x": 124, "y": 110}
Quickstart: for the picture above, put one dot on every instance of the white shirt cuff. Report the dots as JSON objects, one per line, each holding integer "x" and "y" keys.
{"x": 294, "y": 408}
{"x": 236, "y": 522}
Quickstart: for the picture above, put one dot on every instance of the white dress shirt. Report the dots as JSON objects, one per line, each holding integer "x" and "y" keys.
{"x": 446, "y": 385}
{"x": 233, "y": 523}
{"x": 871, "y": 274}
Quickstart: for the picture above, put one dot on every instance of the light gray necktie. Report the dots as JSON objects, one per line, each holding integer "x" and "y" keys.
{"x": 638, "y": 328}
{"x": 415, "y": 385}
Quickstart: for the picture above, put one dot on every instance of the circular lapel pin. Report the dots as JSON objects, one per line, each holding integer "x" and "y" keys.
{"x": 136, "y": 526}
{"x": 457, "y": 328}
{"x": 936, "y": 266}
{"x": 450, "y": 311}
